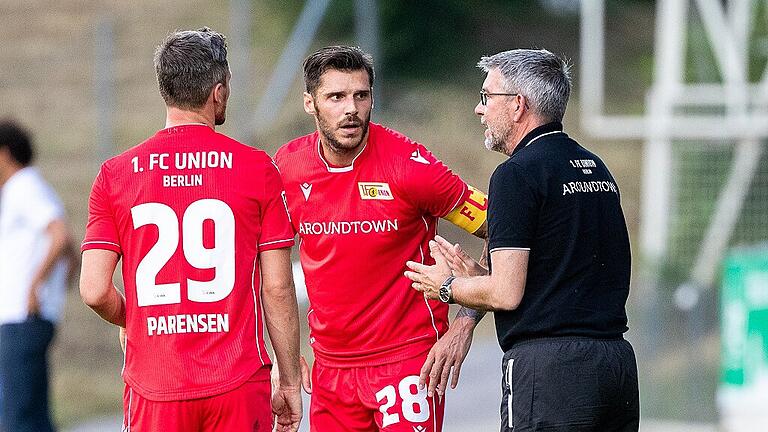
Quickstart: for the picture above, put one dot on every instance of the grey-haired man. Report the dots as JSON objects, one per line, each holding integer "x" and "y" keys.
{"x": 559, "y": 259}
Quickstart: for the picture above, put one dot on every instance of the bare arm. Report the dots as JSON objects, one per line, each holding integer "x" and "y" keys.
{"x": 58, "y": 232}
{"x": 448, "y": 353}
{"x": 281, "y": 314}
{"x": 96, "y": 288}
{"x": 482, "y": 232}
{"x": 73, "y": 262}
{"x": 502, "y": 290}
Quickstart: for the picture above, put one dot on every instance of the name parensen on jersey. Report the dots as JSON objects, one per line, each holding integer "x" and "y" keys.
{"x": 199, "y": 323}
{"x": 182, "y": 161}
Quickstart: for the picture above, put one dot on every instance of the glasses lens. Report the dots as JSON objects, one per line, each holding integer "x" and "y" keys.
{"x": 483, "y": 98}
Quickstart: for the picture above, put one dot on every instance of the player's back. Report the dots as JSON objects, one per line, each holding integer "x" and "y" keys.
{"x": 191, "y": 210}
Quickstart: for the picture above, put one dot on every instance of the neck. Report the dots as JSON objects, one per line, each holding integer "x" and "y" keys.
{"x": 524, "y": 128}
{"x": 341, "y": 158}
{"x": 177, "y": 116}
{"x": 9, "y": 172}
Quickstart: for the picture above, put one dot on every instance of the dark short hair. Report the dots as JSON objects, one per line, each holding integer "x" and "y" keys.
{"x": 189, "y": 64}
{"x": 17, "y": 140}
{"x": 338, "y": 57}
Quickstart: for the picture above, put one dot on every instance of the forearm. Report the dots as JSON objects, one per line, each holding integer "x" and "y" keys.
{"x": 282, "y": 320}
{"x": 110, "y": 306}
{"x": 96, "y": 288}
{"x": 482, "y": 293}
{"x": 471, "y": 316}
{"x": 57, "y": 231}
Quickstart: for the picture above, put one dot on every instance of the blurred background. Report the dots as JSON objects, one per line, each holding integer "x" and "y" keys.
{"x": 672, "y": 94}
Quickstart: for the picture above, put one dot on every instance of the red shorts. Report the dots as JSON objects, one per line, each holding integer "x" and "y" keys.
{"x": 374, "y": 398}
{"x": 246, "y": 408}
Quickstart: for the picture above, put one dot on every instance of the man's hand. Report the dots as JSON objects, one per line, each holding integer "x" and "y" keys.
{"x": 448, "y": 353}
{"x": 306, "y": 376}
{"x": 428, "y": 279}
{"x": 121, "y": 338}
{"x": 458, "y": 260}
{"x": 286, "y": 406}
{"x": 33, "y": 304}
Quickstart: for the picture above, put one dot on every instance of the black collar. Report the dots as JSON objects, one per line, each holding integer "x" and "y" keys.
{"x": 537, "y": 132}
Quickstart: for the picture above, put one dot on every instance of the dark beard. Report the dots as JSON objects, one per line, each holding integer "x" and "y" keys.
{"x": 335, "y": 145}
{"x": 498, "y": 145}
{"x": 221, "y": 117}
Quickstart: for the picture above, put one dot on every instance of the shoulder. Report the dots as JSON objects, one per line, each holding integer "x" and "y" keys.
{"x": 126, "y": 156}
{"x": 402, "y": 154}
{"x": 29, "y": 189}
{"x": 297, "y": 147}
{"x": 391, "y": 143}
{"x": 544, "y": 153}
{"x": 28, "y": 182}
{"x": 509, "y": 167}
{"x": 512, "y": 175}
{"x": 251, "y": 153}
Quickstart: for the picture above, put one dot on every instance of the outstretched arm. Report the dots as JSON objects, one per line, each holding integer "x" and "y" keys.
{"x": 502, "y": 290}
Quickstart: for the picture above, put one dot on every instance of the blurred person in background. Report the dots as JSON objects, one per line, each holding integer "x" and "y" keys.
{"x": 201, "y": 226}
{"x": 35, "y": 253}
{"x": 364, "y": 199}
{"x": 559, "y": 266}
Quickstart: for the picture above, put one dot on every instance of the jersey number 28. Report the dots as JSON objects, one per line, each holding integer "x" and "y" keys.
{"x": 415, "y": 407}
{"x": 221, "y": 257}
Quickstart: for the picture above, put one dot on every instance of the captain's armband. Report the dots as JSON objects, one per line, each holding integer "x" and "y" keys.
{"x": 470, "y": 214}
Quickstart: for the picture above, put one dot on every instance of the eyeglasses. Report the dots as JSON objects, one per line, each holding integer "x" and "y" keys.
{"x": 484, "y": 96}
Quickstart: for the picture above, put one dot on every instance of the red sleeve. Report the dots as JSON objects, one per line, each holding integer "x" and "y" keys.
{"x": 276, "y": 229}
{"x": 430, "y": 184}
{"x": 101, "y": 231}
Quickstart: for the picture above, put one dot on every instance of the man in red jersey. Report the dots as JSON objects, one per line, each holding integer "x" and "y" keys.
{"x": 364, "y": 200}
{"x": 200, "y": 223}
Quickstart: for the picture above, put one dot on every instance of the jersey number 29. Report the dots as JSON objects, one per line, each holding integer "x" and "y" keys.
{"x": 221, "y": 257}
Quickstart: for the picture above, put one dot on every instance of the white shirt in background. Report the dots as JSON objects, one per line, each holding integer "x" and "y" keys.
{"x": 27, "y": 206}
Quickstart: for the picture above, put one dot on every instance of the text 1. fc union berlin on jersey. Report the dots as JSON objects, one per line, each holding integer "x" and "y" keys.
{"x": 358, "y": 226}
{"x": 189, "y": 210}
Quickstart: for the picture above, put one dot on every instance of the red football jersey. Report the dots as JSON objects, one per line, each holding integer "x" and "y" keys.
{"x": 358, "y": 226}
{"x": 189, "y": 210}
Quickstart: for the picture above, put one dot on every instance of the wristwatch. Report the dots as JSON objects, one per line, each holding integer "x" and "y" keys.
{"x": 446, "y": 294}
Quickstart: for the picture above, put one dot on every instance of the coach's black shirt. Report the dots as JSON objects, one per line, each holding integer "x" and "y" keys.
{"x": 558, "y": 200}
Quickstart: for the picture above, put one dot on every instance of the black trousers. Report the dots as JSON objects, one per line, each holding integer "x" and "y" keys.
{"x": 24, "y": 376}
{"x": 570, "y": 384}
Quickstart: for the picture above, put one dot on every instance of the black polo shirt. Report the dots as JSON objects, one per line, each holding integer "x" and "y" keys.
{"x": 558, "y": 200}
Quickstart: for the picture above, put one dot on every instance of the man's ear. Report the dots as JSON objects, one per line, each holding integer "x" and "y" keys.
{"x": 521, "y": 107}
{"x": 309, "y": 104}
{"x": 219, "y": 93}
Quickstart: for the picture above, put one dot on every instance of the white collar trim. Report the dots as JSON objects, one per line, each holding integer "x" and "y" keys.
{"x": 542, "y": 135}
{"x": 338, "y": 169}
{"x": 185, "y": 124}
